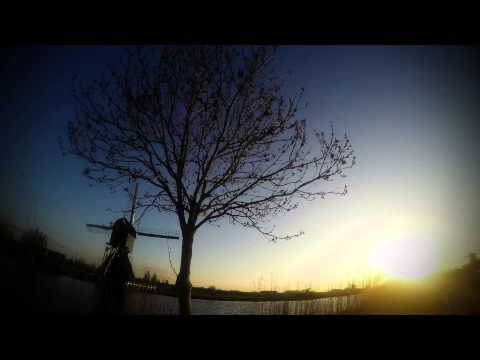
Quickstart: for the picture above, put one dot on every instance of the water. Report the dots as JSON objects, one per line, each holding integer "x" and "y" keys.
{"x": 64, "y": 295}
{"x": 141, "y": 303}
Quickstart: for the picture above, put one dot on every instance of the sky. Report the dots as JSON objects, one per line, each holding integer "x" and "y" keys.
{"x": 411, "y": 113}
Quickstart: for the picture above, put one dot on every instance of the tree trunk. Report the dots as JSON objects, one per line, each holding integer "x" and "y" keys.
{"x": 183, "y": 285}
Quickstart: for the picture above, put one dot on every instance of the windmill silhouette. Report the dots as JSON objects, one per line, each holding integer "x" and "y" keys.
{"x": 116, "y": 270}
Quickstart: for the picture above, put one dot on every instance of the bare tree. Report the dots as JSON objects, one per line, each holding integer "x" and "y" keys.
{"x": 209, "y": 133}
{"x": 146, "y": 276}
{"x": 35, "y": 240}
{"x": 154, "y": 279}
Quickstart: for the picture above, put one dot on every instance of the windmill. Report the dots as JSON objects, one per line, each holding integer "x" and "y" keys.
{"x": 127, "y": 239}
{"x": 116, "y": 269}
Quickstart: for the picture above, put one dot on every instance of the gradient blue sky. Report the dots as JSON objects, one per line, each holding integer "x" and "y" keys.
{"x": 412, "y": 116}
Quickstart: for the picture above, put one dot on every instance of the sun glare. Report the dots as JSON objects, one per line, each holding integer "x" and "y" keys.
{"x": 405, "y": 257}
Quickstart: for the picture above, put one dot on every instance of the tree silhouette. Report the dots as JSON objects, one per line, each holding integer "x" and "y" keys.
{"x": 34, "y": 240}
{"x": 34, "y": 243}
{"x": 146, "y": 276}
{"x": 473, "y": 259}
{"x": 208, "y": 132}
{"x": 7, "y": 239}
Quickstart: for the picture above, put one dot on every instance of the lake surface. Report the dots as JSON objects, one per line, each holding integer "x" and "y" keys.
{"x": 64, "y": 295}
{"x": 140, "y": 303}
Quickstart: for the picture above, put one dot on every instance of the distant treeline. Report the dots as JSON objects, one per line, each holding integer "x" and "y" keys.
{"x": 290, "y": 295}
{"x": 31, "y": 253}
{"x": 461, "y": 287}
{"x": 212, "y": 293}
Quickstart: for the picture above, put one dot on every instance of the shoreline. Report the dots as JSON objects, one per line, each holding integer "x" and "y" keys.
{"x": 197, "y": 293}
{"x": 278, "y": 297}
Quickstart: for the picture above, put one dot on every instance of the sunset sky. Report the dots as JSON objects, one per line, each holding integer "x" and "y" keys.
{"x": 411, "y": 114}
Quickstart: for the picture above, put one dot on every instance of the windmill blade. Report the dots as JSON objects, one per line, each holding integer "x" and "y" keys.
{"x": 99, "y": 228}
{"x": 164, "y": 236}
{"x": 105, "y": 228}
{"x": 156, "y": 232}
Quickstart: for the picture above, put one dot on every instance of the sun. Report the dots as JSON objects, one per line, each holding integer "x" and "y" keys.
{"x": 405, "y": 257}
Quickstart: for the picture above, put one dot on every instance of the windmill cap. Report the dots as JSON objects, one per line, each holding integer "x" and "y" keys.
{"x": 123, "y": 225}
